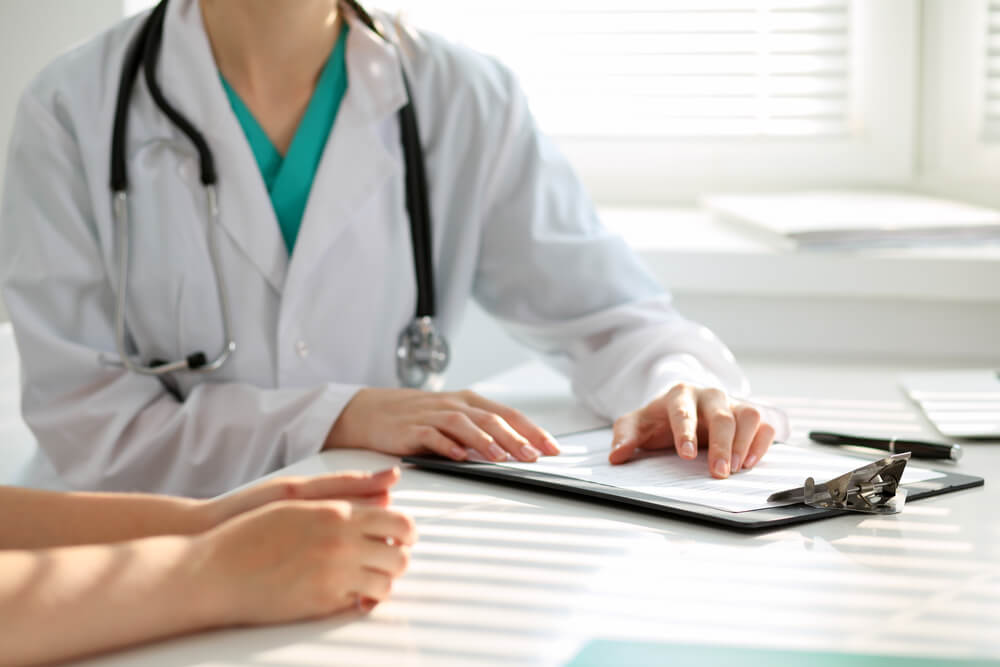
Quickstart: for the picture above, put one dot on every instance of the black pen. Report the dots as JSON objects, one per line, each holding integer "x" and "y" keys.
{"x": 918, "y": 448}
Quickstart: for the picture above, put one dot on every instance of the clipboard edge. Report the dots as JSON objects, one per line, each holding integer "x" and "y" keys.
{"x": 748, "y": 521}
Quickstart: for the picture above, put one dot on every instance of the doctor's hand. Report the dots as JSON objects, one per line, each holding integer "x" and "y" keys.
{"x": 410, "y": 421}
{"x": 688, "y": 418}
{"x": 356, "y": 487}
{"x": 294, "y": 560}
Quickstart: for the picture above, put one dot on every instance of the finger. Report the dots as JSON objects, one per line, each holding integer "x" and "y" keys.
{"x": 504, "y": 434}
{"x": 239, "y": 502}
{"x": 459, "y": 427}
{"x": 759, "y": 446}
{"x": 625, "y": 438}
{"x": 717, "y": 417}
{"x": 428, "y": 437}
{"x": 536, "y": 435}
{"x": 381, "y": 524}
{"x": 379, "y": 500}
{"x": 683, "y": 415}
{"x": 747, "y": 421}
{"x": 389, "y": 558}
{"x": 372, "y": 584}
{"x": 345, "y": 484}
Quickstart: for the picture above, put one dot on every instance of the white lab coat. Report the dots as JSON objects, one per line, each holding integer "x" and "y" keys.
{"x": 512, "y": 227}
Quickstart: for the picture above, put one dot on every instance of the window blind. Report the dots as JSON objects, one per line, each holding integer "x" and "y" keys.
{"x": 991, "y": 101}
{"x": 662, "y": 68}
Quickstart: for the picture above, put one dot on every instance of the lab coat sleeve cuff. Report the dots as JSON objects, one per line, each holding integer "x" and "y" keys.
{"x": 685, "y": 368}
{"x": 308, "y": 434}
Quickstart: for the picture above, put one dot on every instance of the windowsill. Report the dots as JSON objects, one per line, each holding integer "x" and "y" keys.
{"x": 692, "y": 252}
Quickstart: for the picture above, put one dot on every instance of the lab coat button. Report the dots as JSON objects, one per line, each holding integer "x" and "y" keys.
{"x": 302, "y": 348}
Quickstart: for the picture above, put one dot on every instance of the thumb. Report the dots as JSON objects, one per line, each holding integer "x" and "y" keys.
{"x": 350, "y": 484}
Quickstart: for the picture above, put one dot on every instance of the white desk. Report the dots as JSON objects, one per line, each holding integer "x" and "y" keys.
{"x": 503, "y": 576}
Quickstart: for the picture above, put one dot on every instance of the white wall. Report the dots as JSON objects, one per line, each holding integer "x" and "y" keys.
{"x": 33, "y": 32}
{"x": 955, "y": 160}
{"x": 782, "y": 325}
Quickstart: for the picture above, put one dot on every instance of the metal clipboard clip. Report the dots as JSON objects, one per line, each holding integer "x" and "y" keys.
{"x": 873, "y": 488}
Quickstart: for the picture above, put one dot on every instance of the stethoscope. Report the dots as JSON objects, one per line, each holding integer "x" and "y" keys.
{"x": 422, "y": 352}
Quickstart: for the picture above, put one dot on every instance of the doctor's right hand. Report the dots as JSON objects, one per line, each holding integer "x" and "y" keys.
{"x": 294, "y": 560}
{"x": 410, "y": 421}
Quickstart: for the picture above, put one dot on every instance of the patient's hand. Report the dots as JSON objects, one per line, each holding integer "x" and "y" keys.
{"x": 292, "y": 560}
{"x": 356, "y": 487}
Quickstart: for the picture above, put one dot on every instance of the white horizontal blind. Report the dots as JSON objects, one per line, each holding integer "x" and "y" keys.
{"x": 991, "y": 101}
{"x": 662, "y": 68}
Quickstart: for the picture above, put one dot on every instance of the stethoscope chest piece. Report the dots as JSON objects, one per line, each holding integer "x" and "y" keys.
{"x": 422, "y": 355}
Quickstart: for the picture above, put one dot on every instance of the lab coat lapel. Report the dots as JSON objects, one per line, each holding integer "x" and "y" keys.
{"x": 356, "y": 161}
{"x": 190, "y": 81}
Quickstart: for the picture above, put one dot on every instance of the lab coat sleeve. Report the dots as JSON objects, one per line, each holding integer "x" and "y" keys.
{"x": 105, "y": 428}
{"x": 563, "y": 284}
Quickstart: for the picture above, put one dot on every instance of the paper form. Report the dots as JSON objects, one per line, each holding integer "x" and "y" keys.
{"x": 666, "y": 475}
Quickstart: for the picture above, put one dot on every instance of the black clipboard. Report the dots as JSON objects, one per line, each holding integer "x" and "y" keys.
{"x": 762, "y": 519}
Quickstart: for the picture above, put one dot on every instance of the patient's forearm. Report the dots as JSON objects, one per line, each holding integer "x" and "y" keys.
{"x": 67, "y": 602}
{"x": 31, "y": 519}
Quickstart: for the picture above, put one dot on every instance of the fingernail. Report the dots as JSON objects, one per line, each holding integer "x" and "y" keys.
{"x": 750, "y": 462}
{"x": 496, "y": 452}
{"x": 722, "y": 468}
{"x": 457, "y": 452}
{"x": 530, "y": 452}
{"x": 552, "y": 445}
{"x": 735, "y": 465}
{"x": 688, "y": 450}
{"x": 618, "y": 445}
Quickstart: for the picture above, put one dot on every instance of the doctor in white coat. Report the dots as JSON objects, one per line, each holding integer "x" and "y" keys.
{"x": 316, "y": 326}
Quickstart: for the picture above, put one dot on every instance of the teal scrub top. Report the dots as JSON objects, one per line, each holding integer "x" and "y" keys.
{"x": 289, "y": 179}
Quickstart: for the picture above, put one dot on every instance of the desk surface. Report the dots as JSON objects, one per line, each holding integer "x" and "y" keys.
{"x": 503, "y": 576}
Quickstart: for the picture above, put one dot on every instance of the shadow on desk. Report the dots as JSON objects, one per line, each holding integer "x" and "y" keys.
{"x": 529, "y": 579}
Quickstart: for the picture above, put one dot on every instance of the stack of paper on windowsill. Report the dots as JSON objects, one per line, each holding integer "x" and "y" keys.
{"x": 848, "y": 219}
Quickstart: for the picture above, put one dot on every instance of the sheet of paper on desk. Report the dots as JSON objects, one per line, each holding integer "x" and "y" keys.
{"x": 664, "y": 474}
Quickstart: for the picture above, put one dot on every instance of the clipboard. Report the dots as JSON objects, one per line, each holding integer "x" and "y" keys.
{"x": 753, "y": 520}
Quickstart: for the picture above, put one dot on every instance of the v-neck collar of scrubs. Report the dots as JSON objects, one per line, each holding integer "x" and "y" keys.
{"x": 289, "y": 179}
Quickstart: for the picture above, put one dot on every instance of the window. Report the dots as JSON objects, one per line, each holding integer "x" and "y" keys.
{"x": 680, "y": 68}
{"x": 991, "y": 97}
{"x": 656, "y": 101}
{"x": 960, "y": 134}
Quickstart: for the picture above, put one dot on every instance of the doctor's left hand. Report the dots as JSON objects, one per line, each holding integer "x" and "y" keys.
{"x": 688, "y": 418}
{"x": 410, "y": 421}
